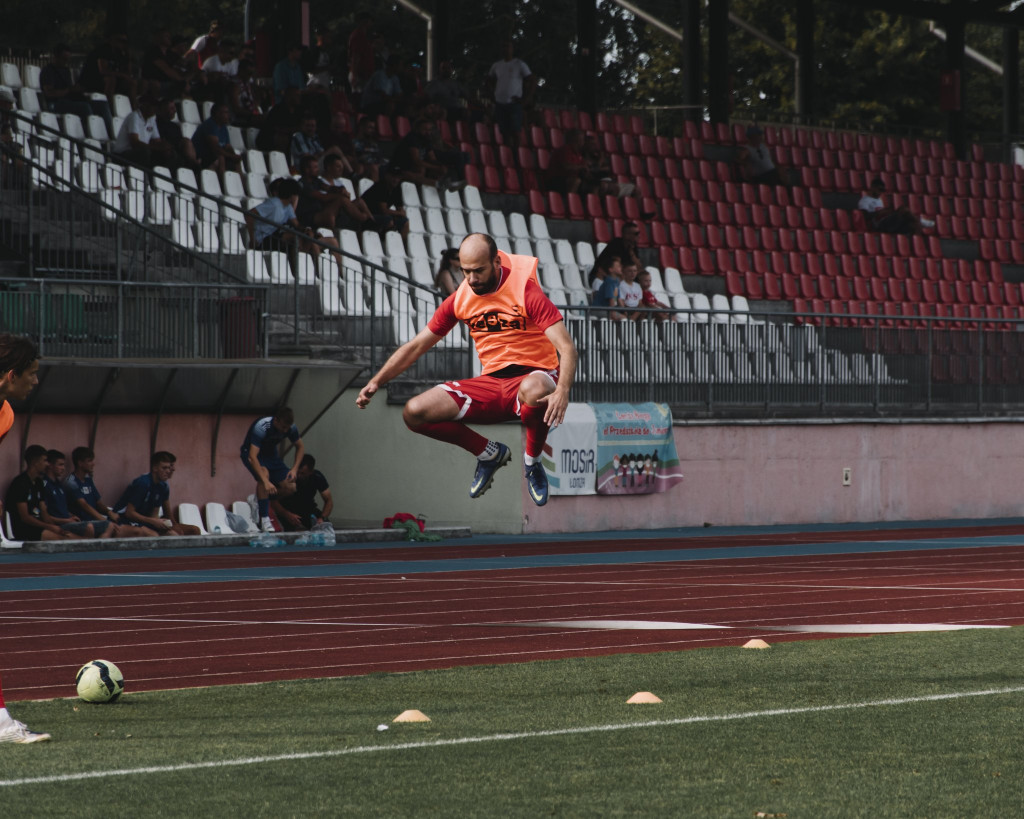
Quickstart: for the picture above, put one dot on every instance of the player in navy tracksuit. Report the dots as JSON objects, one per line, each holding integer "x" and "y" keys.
{"x": 261, "y": 457}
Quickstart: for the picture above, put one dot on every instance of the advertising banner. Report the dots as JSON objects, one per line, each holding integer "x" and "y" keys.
{"x": 570, "y": 454}
{"x": 636, "y": 453}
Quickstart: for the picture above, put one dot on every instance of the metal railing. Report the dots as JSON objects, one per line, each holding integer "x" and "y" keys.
{"x": 120, "y": 319}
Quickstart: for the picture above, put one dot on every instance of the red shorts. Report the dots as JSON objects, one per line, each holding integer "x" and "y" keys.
{"x": 490, "y": 400}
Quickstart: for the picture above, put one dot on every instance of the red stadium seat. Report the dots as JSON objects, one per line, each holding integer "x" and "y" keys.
{"x": 556, "y": 207}
{"x": 574, "y": 206}
{"x": 537, "y": 203}
{"x": 492, "y": 180}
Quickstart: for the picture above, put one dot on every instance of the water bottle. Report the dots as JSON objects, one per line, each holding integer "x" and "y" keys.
{"x": 305, "y": 539}
{"x": 266, "y": 541}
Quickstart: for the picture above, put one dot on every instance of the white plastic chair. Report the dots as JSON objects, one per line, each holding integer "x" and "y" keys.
{"x": 216, "y": 518}
{"x": 243, "y": 509}
{"x": 188, "y": 515}
{"x": 7, "y": 540}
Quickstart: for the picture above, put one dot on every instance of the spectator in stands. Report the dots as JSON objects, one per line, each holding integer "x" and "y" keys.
{"x": 12, "y": 160}
{"x": 625, "y": 246}
{"x": 288, "y": 72}
{"x": 650, "y": 301}
{"x": 568, "y": 169}
{"x": 449, "y": 273}
{"x": 24, "y": 501}
{"x": 426, "y": 160}
{"x": 219, "y": 72}
{"x": 382, "y": 93}
{"x": 323, "y": 204}
{"x": 335, "y": 169}
{"x": 886, "y": 219}
{"x": 447, "y": 92}
{"x": 384, "y": 198}
{"x": 360, "y": 53}
{"x": 305, "y": 142}
{"x": 139, "y": 139}
{"x": 599, "y": 176}
{"x": 163, "y": 72}
{"x": 205, "y": 46}
{"x": 147, "y": 500}
{"x": 213, "y": 142}
{"x": 322, "y": 60}
{"x": 299, "y": 511}
{"x": 170, "y": 133}
{"x": 280, "y": 123}
{"x": 367, "y": 150}
{"x": 607, "y": 276}
{"x": 244, "y": 96}
{"x": 85, "y": 498}
{"x": 108, "y": 70}
{"x": 754, "y": 161}
{"x": 64, "y": 96}
{"x": 631, "y": 293}
{"x": 56, "y": 500}
{"x": 265, "y": 222}
{"x": 513, "y": 85}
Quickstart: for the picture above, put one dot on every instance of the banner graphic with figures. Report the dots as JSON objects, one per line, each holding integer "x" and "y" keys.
{"x": 636, "y": 453}
{"x": 612, "y": 449}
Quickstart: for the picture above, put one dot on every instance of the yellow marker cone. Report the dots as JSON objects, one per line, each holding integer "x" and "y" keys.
{"x": 756, "y": 644}
{"x": 411, "y": 716}
{"x": 643, "y": 697}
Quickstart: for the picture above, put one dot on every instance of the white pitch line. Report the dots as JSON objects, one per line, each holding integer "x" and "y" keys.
{"x": 656, "y": 625}
{"x": 522, "y": 735}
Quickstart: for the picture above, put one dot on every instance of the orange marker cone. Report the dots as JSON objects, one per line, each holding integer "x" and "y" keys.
{"x": 641, "y": 697}
{"x": 411, "y": 716}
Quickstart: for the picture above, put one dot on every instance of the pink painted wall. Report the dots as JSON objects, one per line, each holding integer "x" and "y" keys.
{"x": 122, "y": 452}
{"x": 792, "y": 473}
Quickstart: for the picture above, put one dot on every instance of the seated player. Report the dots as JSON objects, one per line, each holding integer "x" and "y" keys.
{"x": 57, "y": 500}
{"x": 29, "y": 518}
{"x": 259, "y": 453}
{"x": 85, "y": 497}
{"x": 299, "y": 511}
{"x": 141, "y": 502}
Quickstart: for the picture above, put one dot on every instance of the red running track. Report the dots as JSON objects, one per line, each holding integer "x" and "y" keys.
{"x": 241, "y": 632}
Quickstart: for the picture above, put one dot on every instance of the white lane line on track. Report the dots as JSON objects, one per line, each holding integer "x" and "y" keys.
{"x": 509, "y": 737}
{"x": 656, "y": 625}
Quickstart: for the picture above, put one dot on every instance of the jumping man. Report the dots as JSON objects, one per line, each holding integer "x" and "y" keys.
{"x": 527, "y": 359}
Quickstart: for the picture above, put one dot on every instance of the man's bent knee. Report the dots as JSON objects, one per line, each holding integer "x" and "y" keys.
{"x": 535, "y": 387}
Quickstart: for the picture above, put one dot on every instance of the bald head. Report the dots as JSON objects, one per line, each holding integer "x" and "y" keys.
{"x": 478, "y": 259}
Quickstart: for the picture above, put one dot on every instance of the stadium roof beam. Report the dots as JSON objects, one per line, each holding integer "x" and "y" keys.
{"x": 100, "y": 387}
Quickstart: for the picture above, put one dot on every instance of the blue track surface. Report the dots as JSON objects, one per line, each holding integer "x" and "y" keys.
{"x": 98, "y": 579}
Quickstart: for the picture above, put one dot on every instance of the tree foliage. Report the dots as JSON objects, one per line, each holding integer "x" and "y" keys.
{"x": 872, "y": 67}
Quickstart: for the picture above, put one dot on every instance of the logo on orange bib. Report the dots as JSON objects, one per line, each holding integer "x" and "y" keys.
{"x": 497, "y": 321}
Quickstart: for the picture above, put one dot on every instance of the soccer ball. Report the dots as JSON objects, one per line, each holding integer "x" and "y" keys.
{"x": 99, "y": 681}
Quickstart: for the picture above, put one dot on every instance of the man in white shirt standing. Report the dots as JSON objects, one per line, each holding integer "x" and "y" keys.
{"x": 513, "y": 85}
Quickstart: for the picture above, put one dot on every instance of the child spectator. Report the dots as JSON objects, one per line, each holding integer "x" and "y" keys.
{"x": 631, "y": 294}
{"x": 650, "y": 301}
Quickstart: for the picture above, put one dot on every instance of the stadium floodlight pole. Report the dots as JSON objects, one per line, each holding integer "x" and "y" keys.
{"x": 649, "y": 18}
{"x": 974, "y": 54}
{"x": 429, "y": 18}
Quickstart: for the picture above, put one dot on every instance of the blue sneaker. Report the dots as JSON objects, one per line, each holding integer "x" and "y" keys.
{"x": 484, "y": 475}
{"x": 537, "y": 483}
